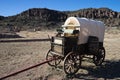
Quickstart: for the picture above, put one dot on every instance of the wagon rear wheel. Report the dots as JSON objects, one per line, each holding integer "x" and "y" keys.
{"x": 99, "y": 59}
{"x": 55, "y": 62}
{"x": 72, "y": 62}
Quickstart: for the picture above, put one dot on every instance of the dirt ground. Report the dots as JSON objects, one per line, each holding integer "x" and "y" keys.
{"x": 15, "y": 56}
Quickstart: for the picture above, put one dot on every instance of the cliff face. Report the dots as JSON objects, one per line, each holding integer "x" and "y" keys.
{"x": 42, "y": 18}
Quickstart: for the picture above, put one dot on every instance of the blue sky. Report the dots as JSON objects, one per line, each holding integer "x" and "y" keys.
{"x": 12, "y": 7}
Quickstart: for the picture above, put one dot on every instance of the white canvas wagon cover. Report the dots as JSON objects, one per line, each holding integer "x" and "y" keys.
{"x": 87, "y": 28}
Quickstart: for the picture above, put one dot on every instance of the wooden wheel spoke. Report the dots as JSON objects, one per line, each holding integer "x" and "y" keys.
{"x": 67, "y": 66}
{"x": 55, "y": 62}
{"x": 69, "y": 69}
{"x": 71, "y": 63}
{"x": 49, "y": 56}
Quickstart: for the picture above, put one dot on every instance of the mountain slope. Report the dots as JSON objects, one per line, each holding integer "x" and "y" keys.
{"x": 108, "y": 16}
{"x": 42, "y": 18}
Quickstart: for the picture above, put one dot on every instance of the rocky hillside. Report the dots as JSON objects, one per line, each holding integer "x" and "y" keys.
{"x": 109, "y": 17}
{"x": 36, "y": 18}
{"x": 42, "y": 18}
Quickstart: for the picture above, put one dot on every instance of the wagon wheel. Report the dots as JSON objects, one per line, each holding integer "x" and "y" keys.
{"x": 98, "y": 59}
{"x": 72, "y": 62}
{"x": 55, "y": 62}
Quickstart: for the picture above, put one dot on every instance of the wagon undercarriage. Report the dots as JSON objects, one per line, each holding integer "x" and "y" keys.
{"x": 68, "y": 51}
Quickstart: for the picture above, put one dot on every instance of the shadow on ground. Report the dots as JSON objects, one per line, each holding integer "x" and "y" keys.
{"x": 9, "y": 35}
{"x": 110, "y": 70}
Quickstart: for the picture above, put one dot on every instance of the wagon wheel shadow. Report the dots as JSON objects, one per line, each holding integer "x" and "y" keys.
{"x": 109, "y": 70}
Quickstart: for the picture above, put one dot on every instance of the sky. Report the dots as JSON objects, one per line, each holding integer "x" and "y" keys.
{"x": 13, "y": 7}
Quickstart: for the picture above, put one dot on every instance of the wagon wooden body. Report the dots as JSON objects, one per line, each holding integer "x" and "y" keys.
{"x": 76, "y": 38}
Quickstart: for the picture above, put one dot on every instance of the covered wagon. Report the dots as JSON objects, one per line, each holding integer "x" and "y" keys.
{"x": 76, "y": 38}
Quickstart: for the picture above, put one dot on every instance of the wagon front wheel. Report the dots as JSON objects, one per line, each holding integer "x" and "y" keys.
{"x": 55, "y": 62}
{"x": 99, "y": 59}
{"x": 72, "y": 63}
